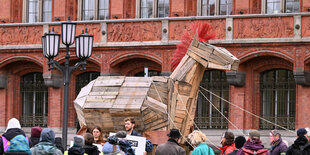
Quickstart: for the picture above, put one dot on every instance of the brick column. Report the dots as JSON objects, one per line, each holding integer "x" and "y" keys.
{"x": 55, "y": 107}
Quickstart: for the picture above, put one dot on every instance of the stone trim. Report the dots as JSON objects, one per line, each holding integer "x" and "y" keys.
{"x": 3, "y": 81}
{"x": 160, "y": 19}
{"x": 302, "y": 77}
{"x": 53, "y": 80}
{"x": 236, "y": 78}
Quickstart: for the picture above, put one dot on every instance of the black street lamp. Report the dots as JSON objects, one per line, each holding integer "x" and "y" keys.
{"x": 50, "y": 45}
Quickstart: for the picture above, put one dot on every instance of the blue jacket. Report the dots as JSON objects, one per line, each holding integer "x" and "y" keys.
{"x": 202, "y": 149}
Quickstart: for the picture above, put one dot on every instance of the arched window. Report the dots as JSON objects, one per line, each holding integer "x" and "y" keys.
{"x": 35, "y": 100}
{"x": 278, "y": 98}
{"x": 207, "y": 116}
{"x": 83, "y": 79}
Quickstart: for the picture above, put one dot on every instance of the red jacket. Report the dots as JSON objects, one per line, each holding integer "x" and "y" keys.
{"x": 227, "y": 149}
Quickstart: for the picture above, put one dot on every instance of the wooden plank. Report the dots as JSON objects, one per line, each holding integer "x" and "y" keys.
{"x": 137, "y": 84}
{"x": 182, "y": 98}
{"x": 100, "y": 99}
{"x": 160, "y": 79}
{"x": 108, "y": 90}
{"x": 138, "y": 79}
{"x": 160, "y": 126}
{"x": 198, "y": 59}
{"x": 184, "y": 88}
{"x": 156, "y": 102}
{"x": 173, "y": 108}
{"x": 191, "y": 73}
{"x": 155, "y": 107}
{"x": 94, "y": 105}
{"x": 105, "y": 93}
{"x": 177, "y": 69}
{"x": 221, "y": 67}
{"x": 132, "y": 93}
{"x": 183, "y": 72}
{"x": 104, "y": 81}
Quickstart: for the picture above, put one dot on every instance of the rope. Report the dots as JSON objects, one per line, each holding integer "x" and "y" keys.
{"x": 197, "y": 125}
{"x": 222, "y": 114}
{"x": 247, "y": 111}
{"x": 171, "y": 118}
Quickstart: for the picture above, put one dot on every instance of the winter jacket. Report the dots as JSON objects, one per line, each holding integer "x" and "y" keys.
{"x": 10, "y": 134}
{"x": 45, "y": 148}
{"x": 253, "y": 145}
{"x": 135, "y": 133}
{"x": 279, "y": 148}
{"x": 19, "y": 144}
{"x": 301, "y": 146}
{"x": 202, "y": 149}
{"x": 75, "y": 150}
{"x": 227, "y": 149}
{"x": 46, "y": 145}
{"x": 91, "y": 150}
{"x": 35, "y": 136}
{"x": 33, "y": 141}
{"x": 170, "y": 148}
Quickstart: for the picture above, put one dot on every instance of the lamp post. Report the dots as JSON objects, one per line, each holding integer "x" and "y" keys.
{"x": 50, "y": 45}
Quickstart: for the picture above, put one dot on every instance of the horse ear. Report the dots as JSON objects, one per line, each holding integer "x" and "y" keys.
{"x": 195, "y": 39}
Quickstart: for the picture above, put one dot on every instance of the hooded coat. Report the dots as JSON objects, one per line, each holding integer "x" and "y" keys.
{"x": 35, "y": 136}
{"x": 18, "y": 145}
{"x": 46, "y": 145}
{"x": 91, "y": 150}
{"x": 253, "y": 145}
{"x": 301, "y": 146}
{"x": 13, "y": 129}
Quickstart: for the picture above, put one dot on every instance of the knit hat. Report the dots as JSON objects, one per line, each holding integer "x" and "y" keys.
{"x": 254, "y": 134}
{"x": 78, "y": 141}
{"x": 301, "y": 132}
{"x": 13, "y": 123}
{"x": 36, "y": 131}
{"x": 239, "y": 142}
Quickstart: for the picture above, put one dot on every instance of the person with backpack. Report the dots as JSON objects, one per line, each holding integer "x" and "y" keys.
{"x": 13, "y": 129}
{"x": 278, "y": 147}
{"x": 253, "y": 146}
{"x": 46, "y": 146}
{"x": 19, "y": 145}
{"x": 301, "y": 145}
{"x": 198, "y": 139}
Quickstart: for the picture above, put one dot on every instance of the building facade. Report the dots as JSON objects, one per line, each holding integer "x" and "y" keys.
{"x": 270, "y": 37}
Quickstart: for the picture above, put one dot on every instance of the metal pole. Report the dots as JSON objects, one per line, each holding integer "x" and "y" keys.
{"x": 66, "y": 75}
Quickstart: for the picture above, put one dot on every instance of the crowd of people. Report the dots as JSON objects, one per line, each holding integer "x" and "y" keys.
{"x": 43, "y": 142}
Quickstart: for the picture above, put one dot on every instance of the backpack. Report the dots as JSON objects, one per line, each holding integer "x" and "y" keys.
{"x": 251, "y": 152}
{"x": 6, "y": 143}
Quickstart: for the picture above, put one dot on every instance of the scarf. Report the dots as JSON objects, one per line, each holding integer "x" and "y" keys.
{"x": 275, "y": 143}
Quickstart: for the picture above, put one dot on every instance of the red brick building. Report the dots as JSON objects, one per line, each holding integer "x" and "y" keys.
{"x": 270, "y": 37}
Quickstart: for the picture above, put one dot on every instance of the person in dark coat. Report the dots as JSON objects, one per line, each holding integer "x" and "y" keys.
{"x": 35, "y": 136}
{"x": 301, "y": 145}
{"x": 129, "y": 126}
{"x": 89, "y": 148}
{"x": 77, "y": 148}
{"x": 58, "y": 143}
{"x": 46, "y": 144}
{"x": 278, "y": 147}
{"x": 239, "y": 142}
{"x": 253, "y": 145}
{"x": 172, "y": 146}
{"x": 13, "y": 129}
